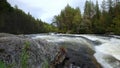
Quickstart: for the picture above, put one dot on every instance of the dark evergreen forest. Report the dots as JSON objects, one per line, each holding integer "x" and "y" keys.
{"x": 96, "y": 19}
{"x": 14, "y": 20}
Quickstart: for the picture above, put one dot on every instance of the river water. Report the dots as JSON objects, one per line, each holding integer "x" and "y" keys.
{"x": 107, "y": 48}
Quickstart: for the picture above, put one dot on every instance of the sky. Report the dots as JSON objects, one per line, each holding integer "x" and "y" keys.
{"x": 47, "y": 9}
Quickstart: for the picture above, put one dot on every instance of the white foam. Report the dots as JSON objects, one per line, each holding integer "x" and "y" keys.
{"x": 57, "y": 38}
{"x": 107, "y": 50}
{"x": 107, "y": 54}
{"x": 94, "y": 38}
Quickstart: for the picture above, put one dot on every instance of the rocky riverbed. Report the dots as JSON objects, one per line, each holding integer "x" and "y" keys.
{"x": 42, "y": 54}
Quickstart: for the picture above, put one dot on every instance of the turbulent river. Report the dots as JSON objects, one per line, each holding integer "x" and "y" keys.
{"x": 107, "y": 48}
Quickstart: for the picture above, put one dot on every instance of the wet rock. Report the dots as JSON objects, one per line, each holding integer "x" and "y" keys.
{"x": 39, "y": 51}
{"x": 96, "y": 42}
{"x": 80, "y": 58}
{"x": 6, "y": 35}
{"x": 11, "y": 47}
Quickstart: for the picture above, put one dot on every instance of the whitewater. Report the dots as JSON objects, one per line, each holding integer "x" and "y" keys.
{"x": 108, "y": 52}
{"x": 107, "y": 48}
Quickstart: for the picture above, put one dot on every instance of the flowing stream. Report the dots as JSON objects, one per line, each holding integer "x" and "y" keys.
{"x": 107, "y": 48}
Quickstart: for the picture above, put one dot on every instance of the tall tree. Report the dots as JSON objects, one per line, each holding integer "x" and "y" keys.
{"x": 96, "y": 24}
{"x": 103, "y": 6}
{"x": 76, "y": 21}
{"x": 89, "y": 12}
{"x": 97, "y": 10}
{"x": 116, "y": 20}
{"x": 68, "y": 20}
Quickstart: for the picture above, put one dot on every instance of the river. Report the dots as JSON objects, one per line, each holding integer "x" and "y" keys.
{"x": 107, "y": 48}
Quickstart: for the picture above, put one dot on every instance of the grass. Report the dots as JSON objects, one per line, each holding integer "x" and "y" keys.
{"x": 25, "y": 55}
{"x": 45, "y": 64}
{"x": 2, "y": 64}
{"x": 24, "y": 58}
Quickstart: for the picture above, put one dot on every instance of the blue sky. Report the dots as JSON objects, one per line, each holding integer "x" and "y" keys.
{"x": 46, "y": 9}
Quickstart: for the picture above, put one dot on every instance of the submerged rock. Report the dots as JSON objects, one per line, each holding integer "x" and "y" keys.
{"x": 75, "y": 59}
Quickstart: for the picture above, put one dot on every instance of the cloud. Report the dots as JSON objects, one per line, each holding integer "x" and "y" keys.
{"x": 45, "y": 9}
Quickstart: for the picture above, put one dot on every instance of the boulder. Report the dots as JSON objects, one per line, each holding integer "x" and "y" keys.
{"x": 21, "y": 50}
{"x": 12, "y": 47}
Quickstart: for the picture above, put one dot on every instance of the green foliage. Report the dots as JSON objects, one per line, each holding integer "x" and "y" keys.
{"x": 68, "y": 20}
{"x": 11, "y": 65}
{"x": 116, "y": 25}
{"x": 94, "y": 20}
{"x": 14, "y": 20}
{"x": 45, "y": 64}
{"x": 23, "y": 60}
{"x": 25, "y": 55}
{"x": 2, "y": 64}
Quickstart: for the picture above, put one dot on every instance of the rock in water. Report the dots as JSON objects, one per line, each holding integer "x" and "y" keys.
{"x": 74, "y": 59}
{"x": 12, "y": 48}
{"x": 20, "y": 51}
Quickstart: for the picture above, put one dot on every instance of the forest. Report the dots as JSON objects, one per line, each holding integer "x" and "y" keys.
{"x": 96, "y": 19}
{"x": 14, "y": 20}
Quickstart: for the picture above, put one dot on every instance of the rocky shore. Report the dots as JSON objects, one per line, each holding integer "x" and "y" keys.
{"x": 42, "y": 54}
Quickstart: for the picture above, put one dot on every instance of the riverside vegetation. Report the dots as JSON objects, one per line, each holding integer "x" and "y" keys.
{"x": 24, "y": 59}
{"x": 94, "y": 19}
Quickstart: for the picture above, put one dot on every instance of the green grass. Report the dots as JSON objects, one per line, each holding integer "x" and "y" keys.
{"x": 23, "y": 58}
{"x": 25, "y": 55}
{"x": 45, "y": 64}
{"x": 2, "y": 64}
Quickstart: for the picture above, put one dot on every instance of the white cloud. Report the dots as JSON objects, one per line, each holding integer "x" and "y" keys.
{"x": 45, "y": 9}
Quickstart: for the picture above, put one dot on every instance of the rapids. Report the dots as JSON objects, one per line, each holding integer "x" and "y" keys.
{"x": 107, "y": 48}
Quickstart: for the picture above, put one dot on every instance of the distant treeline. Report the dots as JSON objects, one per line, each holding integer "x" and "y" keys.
{"x": 14, "y": 20}
{"x": 97, "y": 19}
